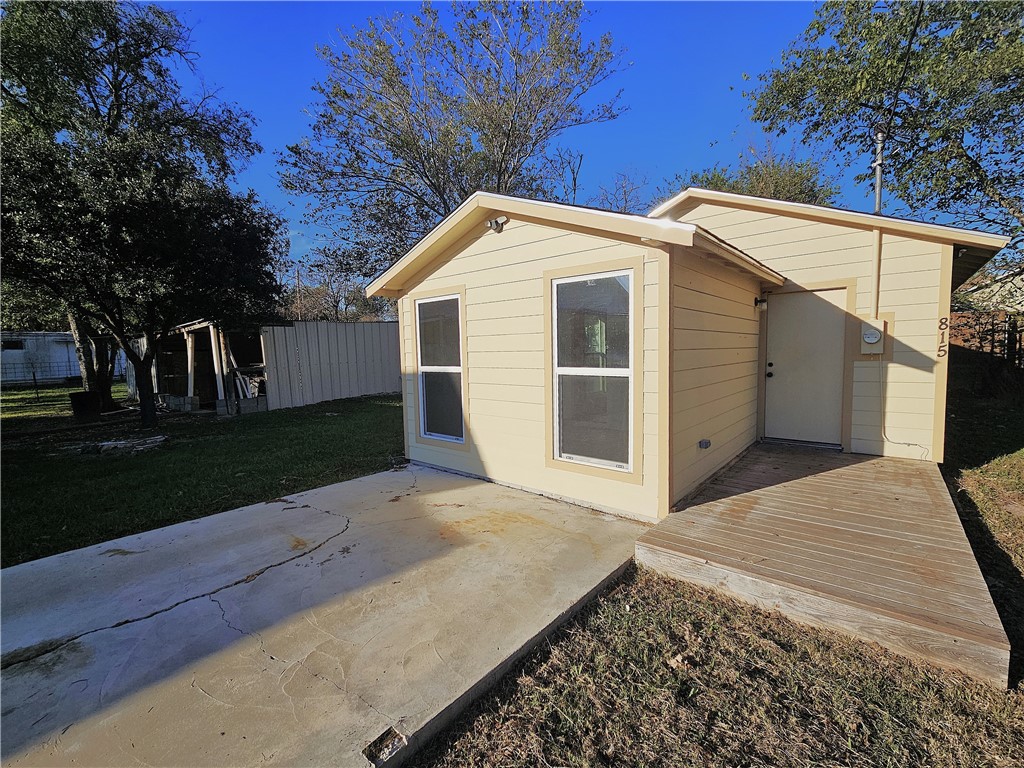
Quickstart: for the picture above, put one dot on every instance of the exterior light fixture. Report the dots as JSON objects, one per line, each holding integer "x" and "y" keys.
{"x": 498, "y": 224}
{"x": 760, "y": 304}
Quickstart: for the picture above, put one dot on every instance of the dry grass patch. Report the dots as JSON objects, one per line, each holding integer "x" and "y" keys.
{"x": 662, "y": 673}
{"x": 997, "y": 489}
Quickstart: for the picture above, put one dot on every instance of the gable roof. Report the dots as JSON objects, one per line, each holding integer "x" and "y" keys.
{"x": 857, "y": 219}
{"x": 479, "y": 207}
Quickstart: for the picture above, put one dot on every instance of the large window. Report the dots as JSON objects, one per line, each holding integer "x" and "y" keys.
{"x": 593, "y": 369}
{"x": 440, "y": 368}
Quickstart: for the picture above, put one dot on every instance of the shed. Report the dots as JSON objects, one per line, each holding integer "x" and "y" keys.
{"x": 620, "y": 360}
{"x": 203, "y": 365}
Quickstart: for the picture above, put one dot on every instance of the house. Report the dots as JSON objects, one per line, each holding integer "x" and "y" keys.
{"x": 42, "y": 356}
{"x": 204, "y": 366}
{"x": 621, "y": 360}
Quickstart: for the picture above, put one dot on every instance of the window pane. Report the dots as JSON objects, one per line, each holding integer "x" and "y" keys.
{"x": 594, "y": 417}
{"x": 593, "y": 323}
{"x": 442, "y": 404}
{"x": 439, "y": 332}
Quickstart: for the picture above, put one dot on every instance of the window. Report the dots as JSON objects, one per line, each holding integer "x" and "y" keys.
{"x": 440, "y": 368}
{"x": 12, "y": 345}
{"x": 593, "y": 369}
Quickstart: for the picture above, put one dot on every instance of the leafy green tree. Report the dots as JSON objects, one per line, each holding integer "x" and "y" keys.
{"x": 943, "y": 79}
{"x": 22, "y": 309}
{"x": 115, "y": 202}
{"x": 415, "y": 114}
{"x": 762, "y": 173}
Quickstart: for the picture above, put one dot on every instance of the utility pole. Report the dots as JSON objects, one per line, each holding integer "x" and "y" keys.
{"x": 298, "y": 293}
{"x": 880, "y": 136}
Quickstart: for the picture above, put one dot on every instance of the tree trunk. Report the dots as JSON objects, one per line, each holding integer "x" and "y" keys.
{"x": 105, "y": 349}
{"x": 83, "y": 351}
{"x": 144, "y": 386}
{"x": 142, "y": 365}
{"x": 96, "y": 355}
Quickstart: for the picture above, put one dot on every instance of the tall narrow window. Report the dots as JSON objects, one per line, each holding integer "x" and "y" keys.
{"x": 440, "y": 368}
{"x": 593, "y": 369}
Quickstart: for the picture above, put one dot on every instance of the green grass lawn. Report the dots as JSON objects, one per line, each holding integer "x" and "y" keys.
{"x": 24, "y": 409}
{"x": 56, "y": 498}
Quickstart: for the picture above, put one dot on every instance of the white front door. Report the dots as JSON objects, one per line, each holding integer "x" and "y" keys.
{"x": 804, "y": 366}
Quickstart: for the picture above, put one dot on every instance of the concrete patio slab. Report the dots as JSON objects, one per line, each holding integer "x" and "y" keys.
{"x": 294, "y": 632}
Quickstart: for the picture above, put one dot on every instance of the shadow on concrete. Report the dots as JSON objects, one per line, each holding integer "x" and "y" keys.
{"x": 88, "y": 628}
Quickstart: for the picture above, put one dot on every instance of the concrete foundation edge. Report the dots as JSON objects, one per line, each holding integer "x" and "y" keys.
{"x": 649, "y": 519}
{"x": 416, "y": 741}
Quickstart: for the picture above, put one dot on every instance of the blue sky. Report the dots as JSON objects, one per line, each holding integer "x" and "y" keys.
{"x": 684, "y": 87}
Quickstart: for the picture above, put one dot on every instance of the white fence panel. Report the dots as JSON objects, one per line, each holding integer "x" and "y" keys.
{"x": 310, "y": 362}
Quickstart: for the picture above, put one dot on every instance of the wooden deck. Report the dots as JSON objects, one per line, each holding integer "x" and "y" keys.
{"x": 866, "y": 545}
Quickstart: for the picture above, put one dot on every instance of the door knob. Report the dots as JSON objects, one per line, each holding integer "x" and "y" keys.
{"x": 769, "y": 375}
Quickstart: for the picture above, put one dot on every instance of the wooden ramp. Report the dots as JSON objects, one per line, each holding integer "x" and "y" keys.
{"x": 866, "y": 545}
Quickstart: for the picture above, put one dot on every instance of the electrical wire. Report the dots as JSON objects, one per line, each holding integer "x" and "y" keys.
{"x": 925, "y": 452}
{"x": 906, "y": 66}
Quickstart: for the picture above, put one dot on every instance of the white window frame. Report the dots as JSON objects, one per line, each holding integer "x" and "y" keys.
{"x": 558, "y": 370}
{"x": 421, "y": 369}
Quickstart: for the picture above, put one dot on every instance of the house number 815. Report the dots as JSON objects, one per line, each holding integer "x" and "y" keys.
{"x": 943, "y": 337}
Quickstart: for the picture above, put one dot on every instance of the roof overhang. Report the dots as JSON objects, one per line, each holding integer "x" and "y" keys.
{"x": 966, "y": 238}
{"x": 470, "y": 220}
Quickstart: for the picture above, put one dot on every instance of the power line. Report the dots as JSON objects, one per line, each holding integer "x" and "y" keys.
{"x": 882, "y": 133}
{"x": 906, "y": 65}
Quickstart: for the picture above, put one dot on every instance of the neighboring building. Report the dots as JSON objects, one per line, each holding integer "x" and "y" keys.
{"x": 619, "y": 360}
{"x": 200, "y": 366}
{"x": 49, "y": 355}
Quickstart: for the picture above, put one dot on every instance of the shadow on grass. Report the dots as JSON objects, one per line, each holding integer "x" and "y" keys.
{"x": 985, "y": 420}
{"x": 1005, "y": 581}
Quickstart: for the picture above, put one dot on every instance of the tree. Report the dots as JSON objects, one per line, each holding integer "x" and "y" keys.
{"x": 942, "y": 80}
{"x": 341, "y": 295}
{"x": 416, "y": 114}
{"x": 762, "y": 173}
{"x": 624, "y": 195}
{"x": 114, "y": 197}
{"x": 23, "y": 309}
{"x": 26, "y": 309}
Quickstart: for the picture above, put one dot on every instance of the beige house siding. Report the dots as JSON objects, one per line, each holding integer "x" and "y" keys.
{"x": 714, "y": 367}
{"x": 908, "y": 384}
{"x": 507, "y": 370}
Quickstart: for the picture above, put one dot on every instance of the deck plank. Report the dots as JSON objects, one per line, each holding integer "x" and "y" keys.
{"x": 868, "y": 545}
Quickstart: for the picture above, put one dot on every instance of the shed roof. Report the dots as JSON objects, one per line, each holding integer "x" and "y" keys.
{"x": 482, "y": 206}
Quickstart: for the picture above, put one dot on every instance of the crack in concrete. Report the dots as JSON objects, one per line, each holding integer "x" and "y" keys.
{"x": 25, "y": 655}
{"x": 299, "y": 662}
{"x": 392, "y": 721}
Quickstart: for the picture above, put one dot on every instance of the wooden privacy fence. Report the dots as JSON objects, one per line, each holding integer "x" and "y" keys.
{"x": 997, "y": 332}
{"x": 309, "y": 362}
